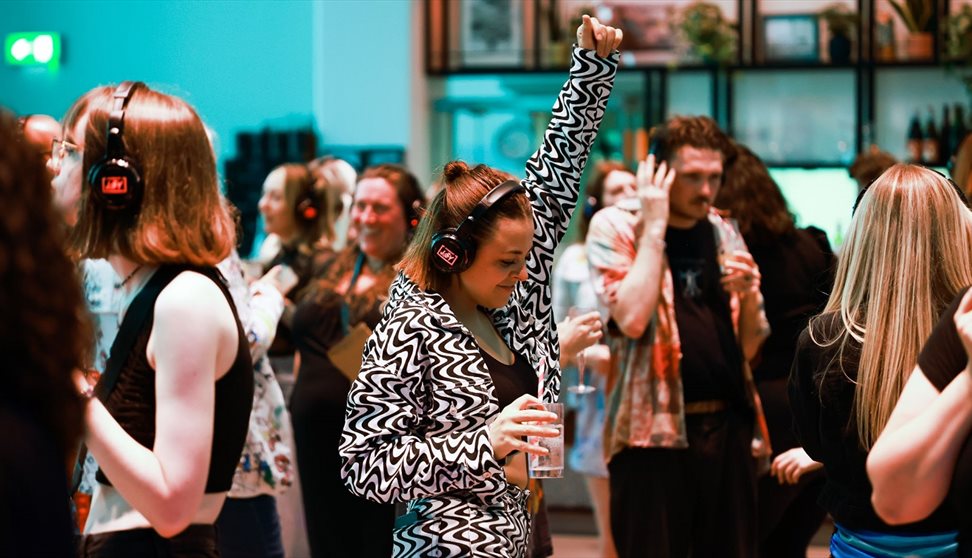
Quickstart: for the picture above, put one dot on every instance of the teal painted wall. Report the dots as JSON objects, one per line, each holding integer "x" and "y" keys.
{"x": 340, "y": 65}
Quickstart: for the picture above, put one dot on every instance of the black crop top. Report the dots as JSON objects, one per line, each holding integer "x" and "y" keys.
{"x": 511, "y": 380}
{"x": 131, "y": 401}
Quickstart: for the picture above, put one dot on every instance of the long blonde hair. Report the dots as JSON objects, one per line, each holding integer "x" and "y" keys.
{"x": 907, "y": 253}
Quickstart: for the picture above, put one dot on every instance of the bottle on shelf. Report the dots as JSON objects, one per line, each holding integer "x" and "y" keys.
{"x": 959, "y": 129}
{"x": 945, "y": 145}
{"x": 914, "y": 146}
{"x": 929, "y": 144}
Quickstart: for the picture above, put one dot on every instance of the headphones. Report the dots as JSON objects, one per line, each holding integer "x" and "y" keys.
{"x": 308, "y": 203}
{"x": 453, "y": 250}
{"x": 115, "y": 179}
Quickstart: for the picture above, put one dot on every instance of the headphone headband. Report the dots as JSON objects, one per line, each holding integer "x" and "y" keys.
{"x": 491, "y": 198}
{"x": 116, "y": 118}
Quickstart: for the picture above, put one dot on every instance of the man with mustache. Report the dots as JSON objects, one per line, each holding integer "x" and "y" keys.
{"x": 686, "y": 316}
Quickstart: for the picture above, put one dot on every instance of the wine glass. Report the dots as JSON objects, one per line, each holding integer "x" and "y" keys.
{"x": 729, "y": 241}
{"x": 581, "y": 357}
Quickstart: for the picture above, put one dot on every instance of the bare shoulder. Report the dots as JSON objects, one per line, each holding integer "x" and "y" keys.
{"x": 193, "y": 299}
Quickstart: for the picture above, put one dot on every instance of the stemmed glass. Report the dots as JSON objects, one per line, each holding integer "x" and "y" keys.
{"x": 581, "y": 357}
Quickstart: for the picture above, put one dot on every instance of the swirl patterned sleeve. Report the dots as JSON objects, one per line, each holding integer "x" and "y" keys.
{"x": 553, "y": 173}
{"x": 387, "y": 451}
{"x": 552, "y": 181}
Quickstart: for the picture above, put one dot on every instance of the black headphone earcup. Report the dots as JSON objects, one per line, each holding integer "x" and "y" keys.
{"x": 116, "y": 184}
{"x": 306, "y": 210}
{"x": 449, "y": 253}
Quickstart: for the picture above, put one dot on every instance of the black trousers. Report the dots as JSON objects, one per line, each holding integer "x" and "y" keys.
{"x": 197, "y": 541}
{"x": 339, "y": 524}
{"x": 698, "y": 502}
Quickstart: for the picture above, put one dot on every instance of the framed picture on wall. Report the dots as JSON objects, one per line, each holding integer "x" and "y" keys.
{"x": 791, "y": 38}
{"x": 491, "y": 33}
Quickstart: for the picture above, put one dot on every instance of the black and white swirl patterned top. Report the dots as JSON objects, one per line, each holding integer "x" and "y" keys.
{"x": 418, "y": 414}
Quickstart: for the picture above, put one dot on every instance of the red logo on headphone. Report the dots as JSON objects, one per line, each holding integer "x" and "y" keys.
{"x": 114, "y": 185}
{"x": 446, "y": 255}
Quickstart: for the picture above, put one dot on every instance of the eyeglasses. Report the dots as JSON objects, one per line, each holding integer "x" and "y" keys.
{"x": 961, "y": 194}
{"x": 60, "y": 149}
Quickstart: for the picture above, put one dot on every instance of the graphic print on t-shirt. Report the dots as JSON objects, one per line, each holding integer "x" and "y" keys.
{"x": 688, "y": 274}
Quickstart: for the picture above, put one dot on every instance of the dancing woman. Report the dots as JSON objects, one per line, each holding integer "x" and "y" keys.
{"x": 451, "y": 375}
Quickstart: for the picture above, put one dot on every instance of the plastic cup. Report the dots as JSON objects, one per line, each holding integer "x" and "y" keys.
{"x": 550, "y": 465}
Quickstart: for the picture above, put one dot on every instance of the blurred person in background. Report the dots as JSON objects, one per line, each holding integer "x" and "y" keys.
{"x": 44, "y": 337}
{"x": 797, "y": 276}
{"x": 572, "y": 288}
{"x": 294, "y": 208}
{"x": 869, "y": 165}
{"x": 342, "y": 306}
{"x": 337, "y": 177}
{"x": 907, "y": 252}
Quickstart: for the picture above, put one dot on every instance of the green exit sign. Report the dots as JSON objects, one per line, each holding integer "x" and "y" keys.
{"x": 33, "y": 49}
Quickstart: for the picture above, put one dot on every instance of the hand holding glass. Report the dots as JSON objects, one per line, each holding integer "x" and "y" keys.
{"x": 581, "y": 357}
{"x": 551, "y": 464}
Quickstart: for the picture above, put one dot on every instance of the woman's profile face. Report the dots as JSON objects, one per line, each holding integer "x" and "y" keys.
{"x": 500, "y": 263}
{"x": 378, "y": 218}
{"x": 618, "y": 184}
{"x": 278, "y": 217}
{"x": 67, "y": 173}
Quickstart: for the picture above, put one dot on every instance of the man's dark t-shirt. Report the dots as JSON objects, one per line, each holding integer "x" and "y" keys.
{"x": 710, "y": 355}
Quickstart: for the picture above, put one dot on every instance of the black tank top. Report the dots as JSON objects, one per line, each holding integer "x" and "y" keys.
{"x": 510, "y": 380}
{"x": 131, "y": 401}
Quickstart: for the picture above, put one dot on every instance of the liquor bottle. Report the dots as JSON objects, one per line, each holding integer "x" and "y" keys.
{"x": 958, "y": 127}
{"x": 929, "y": 144}
{"x": 914, "y": 139}
{"x": 945, "y": 145}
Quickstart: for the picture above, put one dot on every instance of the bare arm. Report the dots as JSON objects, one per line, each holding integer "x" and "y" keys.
{"x": 193, "y": 338}
{"x": 911, "y": 464}
{"x": 637, "y": 294}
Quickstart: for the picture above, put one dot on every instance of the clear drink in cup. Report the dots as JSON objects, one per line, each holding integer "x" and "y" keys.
{"x": 550, "y": 465}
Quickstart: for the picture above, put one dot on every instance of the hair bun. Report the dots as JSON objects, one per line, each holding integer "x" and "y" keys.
{"x": 454, "y": 170}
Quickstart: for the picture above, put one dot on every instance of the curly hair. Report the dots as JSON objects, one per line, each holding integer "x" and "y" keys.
{"x": 44, "y": 334}
{"x": 753, "y": 199}
{"x": 700, "y": 132}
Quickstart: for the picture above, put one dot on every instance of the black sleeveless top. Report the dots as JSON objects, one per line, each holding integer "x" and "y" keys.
{"x": 131, "y": 400}
{"x": 511, "y": 380}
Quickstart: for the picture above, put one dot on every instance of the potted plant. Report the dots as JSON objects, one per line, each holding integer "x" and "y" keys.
{"x": 707, "y": 34}
{"x": 841, "y": 23}
{"x": 916, "y": 16}
{"x": 958, "y": 35}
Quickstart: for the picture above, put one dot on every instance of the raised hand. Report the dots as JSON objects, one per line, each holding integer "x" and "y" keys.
{"x": 653, "y": 188}
{"x": 603, "y": 39}
{"x": 508, "y": 431}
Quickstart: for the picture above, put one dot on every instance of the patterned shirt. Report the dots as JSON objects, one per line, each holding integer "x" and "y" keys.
{"x": 645, "y": 403}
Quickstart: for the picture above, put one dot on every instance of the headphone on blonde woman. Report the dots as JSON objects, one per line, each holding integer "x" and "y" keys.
{"x": 115, "y": 178}
{"x": 453, "y": 250}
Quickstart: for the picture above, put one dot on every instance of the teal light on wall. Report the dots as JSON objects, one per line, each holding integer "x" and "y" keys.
{"x": 33, "y": 49}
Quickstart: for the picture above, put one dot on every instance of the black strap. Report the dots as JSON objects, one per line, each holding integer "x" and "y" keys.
{"x": 138, "y": 312}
